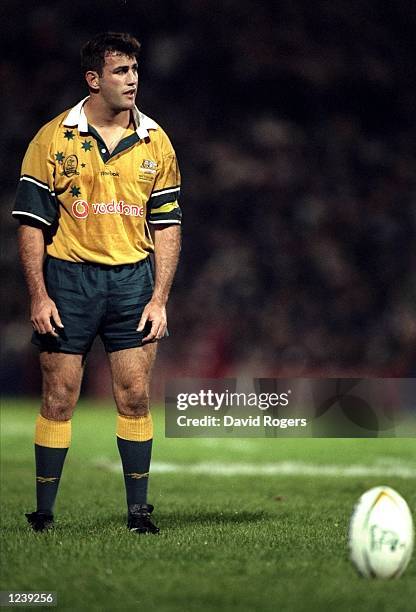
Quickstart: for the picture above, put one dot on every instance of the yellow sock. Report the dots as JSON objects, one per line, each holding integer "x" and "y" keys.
{"x": 136, "y": 429}
{"x": 52, "y": 434}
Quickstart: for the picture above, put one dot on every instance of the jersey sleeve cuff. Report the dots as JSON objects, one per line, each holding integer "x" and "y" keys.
{"x": 19, "y": 213}
{"x": 165, "y": 221}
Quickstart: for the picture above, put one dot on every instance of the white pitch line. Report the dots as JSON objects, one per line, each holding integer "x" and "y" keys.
{"x": 283, "y": 468}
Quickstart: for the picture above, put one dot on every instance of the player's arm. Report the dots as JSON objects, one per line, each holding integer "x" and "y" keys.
{"x": 31, "y": 252}
{"x": 167, "y": 244}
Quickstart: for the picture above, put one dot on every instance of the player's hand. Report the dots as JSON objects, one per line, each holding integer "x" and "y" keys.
{"x": 155, "y": 313}
{"x": 45, "y": 316}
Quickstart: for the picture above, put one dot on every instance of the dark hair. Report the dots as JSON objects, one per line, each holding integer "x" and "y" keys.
{"x": 93, "y": 52}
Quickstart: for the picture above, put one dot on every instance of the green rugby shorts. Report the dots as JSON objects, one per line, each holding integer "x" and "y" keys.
{"x": 96, "y": 300}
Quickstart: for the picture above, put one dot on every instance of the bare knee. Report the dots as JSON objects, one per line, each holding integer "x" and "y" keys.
{"x": 58, "y": 402}
{"x": 132, "y": 401}
{"x": 61, "y": 382}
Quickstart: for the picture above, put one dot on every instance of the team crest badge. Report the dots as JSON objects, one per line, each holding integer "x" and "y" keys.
{"x": 71, "y": 165}
{"x": 149, "y": 166}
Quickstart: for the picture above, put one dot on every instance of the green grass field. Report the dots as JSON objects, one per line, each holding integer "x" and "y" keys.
{"x": 237, "y": 541}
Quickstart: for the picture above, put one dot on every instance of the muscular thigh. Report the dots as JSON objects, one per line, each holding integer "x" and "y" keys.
{"x": 131, "y": 370}
{"x": 61, "y": 383}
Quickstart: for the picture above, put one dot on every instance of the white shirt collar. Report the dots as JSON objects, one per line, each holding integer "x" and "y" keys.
{"x": 77, "y": 117}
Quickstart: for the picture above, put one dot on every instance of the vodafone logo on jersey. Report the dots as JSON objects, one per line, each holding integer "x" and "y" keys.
{"x": 81, "y": 209}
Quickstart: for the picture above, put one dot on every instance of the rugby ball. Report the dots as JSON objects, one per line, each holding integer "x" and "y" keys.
{"x": 381, "y": 534}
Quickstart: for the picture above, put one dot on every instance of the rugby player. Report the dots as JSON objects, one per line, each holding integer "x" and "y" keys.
{"x": 99, "y": 242}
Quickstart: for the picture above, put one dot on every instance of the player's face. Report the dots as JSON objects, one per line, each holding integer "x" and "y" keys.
{"x": 118, "y": 83}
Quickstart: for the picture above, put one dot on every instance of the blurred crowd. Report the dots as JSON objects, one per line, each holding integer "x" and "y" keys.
{"x": 294, "y": 127}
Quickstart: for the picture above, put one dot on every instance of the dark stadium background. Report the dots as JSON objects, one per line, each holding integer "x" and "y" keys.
{"x": 294, "y": 124}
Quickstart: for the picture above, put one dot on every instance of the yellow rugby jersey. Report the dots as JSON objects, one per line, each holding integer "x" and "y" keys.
{"x": 98, "y": 205}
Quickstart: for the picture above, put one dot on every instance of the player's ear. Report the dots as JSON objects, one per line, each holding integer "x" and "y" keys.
{"x": 93, "y": 79}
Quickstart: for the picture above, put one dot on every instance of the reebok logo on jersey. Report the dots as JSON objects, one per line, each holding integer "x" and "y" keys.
{"x": 81, "y": 209}
{"x": 109, "y": 173}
